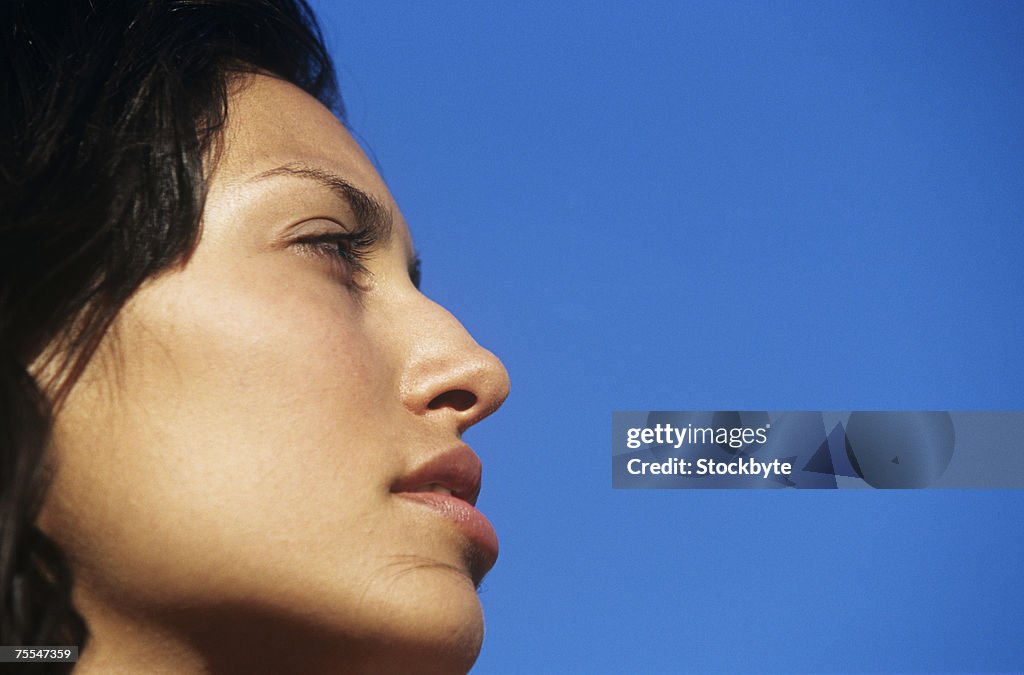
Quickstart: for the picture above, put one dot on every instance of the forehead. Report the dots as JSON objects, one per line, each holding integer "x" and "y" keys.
{"x": 272, "y": 123}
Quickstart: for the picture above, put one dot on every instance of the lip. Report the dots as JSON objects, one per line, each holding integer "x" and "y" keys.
{"x": 459, "y": 471}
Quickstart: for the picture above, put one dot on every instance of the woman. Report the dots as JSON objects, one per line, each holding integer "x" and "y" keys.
{"x": 231, "y": 422}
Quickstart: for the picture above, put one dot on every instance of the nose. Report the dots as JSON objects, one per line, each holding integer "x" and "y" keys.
{"x": 447, "y": 375}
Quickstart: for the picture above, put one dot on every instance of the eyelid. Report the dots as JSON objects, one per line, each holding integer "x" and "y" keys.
{"x": 365, "y": 237}
{"x": 343, "y": 248}
{"x": 315, "y": 227}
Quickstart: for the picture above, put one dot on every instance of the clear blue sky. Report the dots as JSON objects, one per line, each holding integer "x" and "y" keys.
{"x": 718, "y": 205}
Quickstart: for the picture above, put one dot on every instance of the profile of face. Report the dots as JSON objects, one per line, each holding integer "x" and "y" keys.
{"x": 263, "y": 459}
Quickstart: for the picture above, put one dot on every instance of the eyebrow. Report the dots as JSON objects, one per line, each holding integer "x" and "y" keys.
{"x": 369, "y": 212}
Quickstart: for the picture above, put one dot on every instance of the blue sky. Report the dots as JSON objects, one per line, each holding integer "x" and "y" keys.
{"x": 729, "y": 205}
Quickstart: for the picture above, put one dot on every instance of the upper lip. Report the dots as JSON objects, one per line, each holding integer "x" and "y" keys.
{"x": 457, "y": 469}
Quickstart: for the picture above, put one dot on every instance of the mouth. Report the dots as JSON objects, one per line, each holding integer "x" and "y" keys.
{"x": 435, "y": 488}
{"x": 449, "y": 484}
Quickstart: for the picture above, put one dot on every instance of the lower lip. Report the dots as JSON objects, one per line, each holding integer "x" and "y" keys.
{"x": 473, "y": 524}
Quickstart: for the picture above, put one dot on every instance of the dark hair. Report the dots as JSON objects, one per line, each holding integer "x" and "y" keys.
{"x": 110, "y": 115}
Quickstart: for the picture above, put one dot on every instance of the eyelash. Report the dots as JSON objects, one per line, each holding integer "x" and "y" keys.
{"x": 350, "y": 248}
{"x": 353, "y": 249}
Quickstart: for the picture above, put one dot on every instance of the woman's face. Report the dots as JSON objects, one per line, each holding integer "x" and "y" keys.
{"x": 265, "y": 440}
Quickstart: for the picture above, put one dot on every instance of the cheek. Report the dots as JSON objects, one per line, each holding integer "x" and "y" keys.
{"x": 218, "y": 434}
{"x": 259, "y": 360}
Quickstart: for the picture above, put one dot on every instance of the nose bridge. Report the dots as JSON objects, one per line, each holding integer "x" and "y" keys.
{"x": 447, "y": 372}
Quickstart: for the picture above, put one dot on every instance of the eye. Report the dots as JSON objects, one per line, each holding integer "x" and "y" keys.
{"x": 349, "y": 250}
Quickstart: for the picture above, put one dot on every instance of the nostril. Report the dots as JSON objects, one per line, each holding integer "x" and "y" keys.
{"x": 456, "y": 399}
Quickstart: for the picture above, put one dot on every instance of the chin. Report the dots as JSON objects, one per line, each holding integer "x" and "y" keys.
{"x": 447, "y": 654}
{"x": 439, "y": 628}
{"x": 424, "y": 619}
